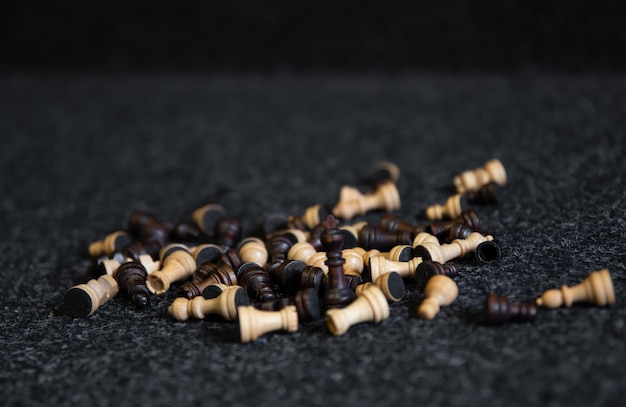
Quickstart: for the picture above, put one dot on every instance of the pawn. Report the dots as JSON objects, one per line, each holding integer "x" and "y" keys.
{"x": 225, "y": 305}
{"x": 451, "y": 209}
{"x": 458, "y": 248}
{"x": 391, "y": 284}
{"x": 440, "y": 290}
{"x": 500, "y": 310}
{"x": 397, "y": 253}
{"x": 177, "y": 265}
{"x": 379, "y": 266}
{"x": 253, "y": 323}
{"x": 468, "y": 218}
{"x": 256, "y": 281}
{"x": 301, "y": 251}
{"x": 374, "y": 237}
{"x": 205, "y": 275}
{"x": 84, "y": 299}
{"x": 394, "y": 223}
{"x": 314, "y": 215}
{"x": 113, "y": 242}
{"x": 428, "y": 268}
{"x": 131, "y": 277}
{"x": 597, "y": 289}
{"x": 312, "y": 277}
{"x": 472, "y": 180}
{"x": 206, "y": 217}
{"x": 370, "y": 306}
{"x": 352, "y": 202}
{"x": 483, "y": 196}
{"x": 252, "y": 250}
{"x": 288, "y": 275}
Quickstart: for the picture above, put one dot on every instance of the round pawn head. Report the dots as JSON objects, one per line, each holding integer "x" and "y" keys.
{"x": 392, "y": 285}
{"x": 207, "y": 253}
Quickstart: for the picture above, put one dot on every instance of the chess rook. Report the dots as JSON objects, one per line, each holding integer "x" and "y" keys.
{"x": 84, "y": 299}
{"x": 253, "y": 323}
{"x": 597, "y": 289}
{"x": 472, "y": 180}
{"x": 370, "y": 306}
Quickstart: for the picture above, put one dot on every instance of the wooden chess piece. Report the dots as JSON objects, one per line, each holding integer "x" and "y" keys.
{"x": 206, "y": 217}
{"x": 205, "y": 275}
{"x": 397, "y": 253}
{"x": 370, "y": 306}
{"x": 84, "y": 299}
{"x": 312, "y": 277}
{"x": 485, "y": 195}
{"x": 254, "y": 323}
{"x": 275, "y": 305}
{"x": 131, "y": 278}
{"x": 138, "y": 248}
{"x": 314, "y": 215}
{"x": 453, "y": 228}
{"x": 451, "y": 209}
{"x": 184, "y": 232}
{"x": 207, "y": 253}
{"x": 391, "y": 284}
{"x": 337, "y": 293}
{"x": 374, "y": 237}
{"x": 113, "y": 242}
{"x": 352, "y": 202}
{"x": 472, "y": 180}
{"x": 597, "y": 289}
{"x": 252, "y": 250}
{"x": 448, "y": 251}
{"x": 288, "y": 276}
{"x": 353, "y": 261}
{"x": 487, "y": 252}
{"x": 384, "y": 171}
{"x": 428, "y": 268}
{"x": 224, "y": 305}
{"x": 301, "y": 251}
{"x": 177, "y": 265}
{"x": 278, "y": 248}
{"x": 379, "y": 266}
{"x": 439, "y": 291}
{"x": 393, "y": 223}
{"x": 213, "y": 290}
{"x": 256, "y": 280}
{"x": 500, "y": 310}
{"x": 110, "y": 266}
{"x": 308, "y": 305}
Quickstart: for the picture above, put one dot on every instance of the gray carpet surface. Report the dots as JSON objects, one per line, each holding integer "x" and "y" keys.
{"x": 79, "y": 154}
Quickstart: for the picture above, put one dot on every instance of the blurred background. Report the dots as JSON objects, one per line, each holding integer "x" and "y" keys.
{"x": 256, "y": 36}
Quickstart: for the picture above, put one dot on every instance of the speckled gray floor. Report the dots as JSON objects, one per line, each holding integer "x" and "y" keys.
{"x": 79, "y": 154}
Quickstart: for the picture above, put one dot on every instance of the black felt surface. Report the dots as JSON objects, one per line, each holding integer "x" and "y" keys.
{"x": 80, "y": 154}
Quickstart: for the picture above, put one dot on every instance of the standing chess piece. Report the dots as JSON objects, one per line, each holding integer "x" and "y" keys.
{"x": 337, "y": 293}
{"x": 84, "y": 299}
{"x": 597, "y": 289}
{"x": 499, "y": 310}
{"x": 472, "y": 180}
{"x": 254, "y": 323}
{"x": 224, "y": 305}
{"x": 439, "y": 291}
{"x": 370, "y": 306}
{"x": 177, "y": 265}
{"x": 113, "y": 242}
{"x": 352, "y": 202}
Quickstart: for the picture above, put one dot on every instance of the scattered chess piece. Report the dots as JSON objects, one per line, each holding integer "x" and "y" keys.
{"x": 312, "y": 277}
{"x": 472, "y": 180}
{"x": 177, "y": 265}
{"x": 252, "y": 250}
{"x": 253, "y": 323}
{"x": 314, "y": 215}
{"x": 353, "y": 261}
{"x": 256, "y": 281}
{"x": 205, "y": 275}
{"x": 397, "y": 253}
{"x": 288, "y": 276}
{"x": 213, "y": 290}
{"x": 352, "y": 202}
{"x": 384, "y": 171}
{"x": 487, "y": 252}
{"x": 113, "y": 242}
{"x": 184, "y": 232}
{"x": 379, "y": 266}
{"x": 110, "y": 266}
{"x": 301, "y": 251}
{"x": 391, "y": 284}
{"x": 439, "y": 291}
{"x": 84, "y": 299}
{"x": 275, "y": 305}
{"x": 206, "y": 217}
{"x": 394, "y": 224}
{"x": 207, "y": 253}
{"x": 374, "y": 237}
{"x": 307, "y": 303}
{"x": 138, "y": 248}
{"x": 225, "y": 305}
{"x": 468, "y": 218}
{"x": 500, "y": 310}
{"x": 337, "y": 293}
{"x": 147, "y": 227}
{"x": 424, "y": 237}
{"x": 448, "y": 251}
{"x": 131, "y": 278}
{"x": 485, "y": 195}
{"x": 428, "y": 268}
{"x": 597, "y": 289}
{"x": 278, "y": 248}
{"x": 370, "y": 306}
{"x": 451, "y": 209}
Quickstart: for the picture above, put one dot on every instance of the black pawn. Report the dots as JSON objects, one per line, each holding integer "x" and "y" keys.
{"x": 500, "y": 310}
{"x": 131, "y": 278}
{"x": 428, "y": 268}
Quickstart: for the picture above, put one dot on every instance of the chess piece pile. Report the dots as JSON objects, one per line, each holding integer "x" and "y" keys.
{"x": 319, "y": 265}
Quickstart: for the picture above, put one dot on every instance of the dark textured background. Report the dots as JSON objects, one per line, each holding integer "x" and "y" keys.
{"x": 114, "y": 106}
